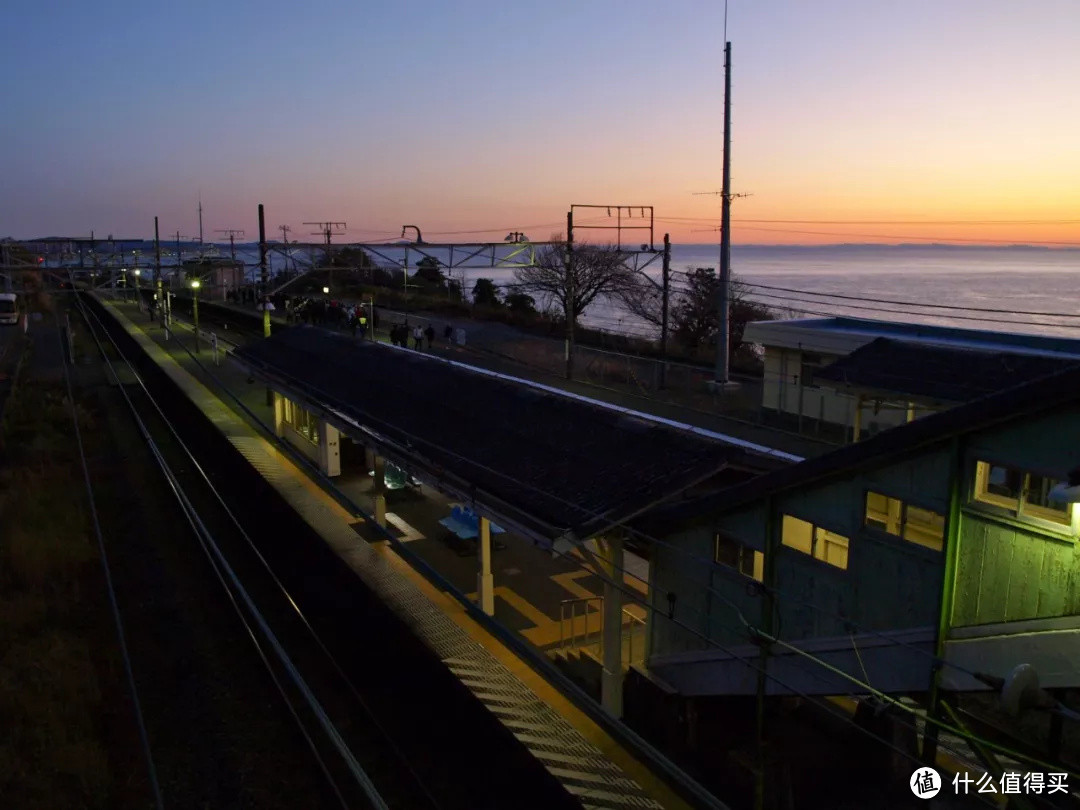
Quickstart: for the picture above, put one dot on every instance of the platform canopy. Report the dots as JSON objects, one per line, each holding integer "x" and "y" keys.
{"x": 562, "y": 465}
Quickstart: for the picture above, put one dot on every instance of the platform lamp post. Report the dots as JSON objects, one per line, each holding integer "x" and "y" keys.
{"x": 138, "y": 300}
{"x": 195, "y": 310}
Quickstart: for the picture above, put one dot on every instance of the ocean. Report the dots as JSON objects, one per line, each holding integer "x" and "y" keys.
{"x": 909, "y": 283}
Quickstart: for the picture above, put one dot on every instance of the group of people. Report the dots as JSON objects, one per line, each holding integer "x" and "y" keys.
{"x": 400, "y": 334}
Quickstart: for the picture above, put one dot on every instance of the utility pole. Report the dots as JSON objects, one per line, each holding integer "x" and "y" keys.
{"x": 285, "y": 241}
{"x": 570, "y": 314}
{"x": 157, "y": 272}
{"x": 200, "y": 219}
{"x": 264, "y": 273}
{"x": 325, "y": 230}
{"x": 723, "y": 303}
{"x": 233, "y": 233}
{"x": 664, "y": 302}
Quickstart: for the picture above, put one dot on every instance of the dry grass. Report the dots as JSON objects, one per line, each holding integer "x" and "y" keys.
{"x": 52, "y": 751}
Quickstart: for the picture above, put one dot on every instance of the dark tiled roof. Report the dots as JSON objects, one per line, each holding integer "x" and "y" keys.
{"x": 1037, "y": 396}
{"x": 571, "y": 464}
{"x": 939, "y": 373}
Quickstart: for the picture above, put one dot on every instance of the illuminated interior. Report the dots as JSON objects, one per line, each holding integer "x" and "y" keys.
{"x": 819, "y": 543}
{"x": 1021, "y": 494}
{"x": 913, "y": 523}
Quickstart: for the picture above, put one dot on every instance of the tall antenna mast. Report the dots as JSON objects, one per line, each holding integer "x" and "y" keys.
{"x": 200, "y": 217}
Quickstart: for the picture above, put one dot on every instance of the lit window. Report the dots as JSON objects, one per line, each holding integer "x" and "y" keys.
{"x": 819, "y": 543}
{"x": 302, "y": 421}
{"x": 798, "y": 534}
{"x": 913, "y": 523}
{"x": 745, "y": 560}
{"x": 1021, "y": 494}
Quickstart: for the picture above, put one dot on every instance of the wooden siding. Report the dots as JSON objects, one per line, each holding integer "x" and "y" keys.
{"x": 1006, "y": 573}
{"x": 922, "y": 480}
{"x": 1049, "y": 445}
{"x": 746, "y": 525}
{"x": 897, "y": 584}
{"x": 835, "y": 506}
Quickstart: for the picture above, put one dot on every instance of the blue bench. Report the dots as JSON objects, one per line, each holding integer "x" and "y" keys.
{"x": 465, "y": 523}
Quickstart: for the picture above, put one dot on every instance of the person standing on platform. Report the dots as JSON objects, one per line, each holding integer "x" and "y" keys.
{"x": 429, "y": 333}
{"x": 418, "y": 338}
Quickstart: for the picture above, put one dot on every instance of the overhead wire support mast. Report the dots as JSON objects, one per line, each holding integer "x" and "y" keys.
{"x": 326, "y": 230}
{"x": 618, "y": 227}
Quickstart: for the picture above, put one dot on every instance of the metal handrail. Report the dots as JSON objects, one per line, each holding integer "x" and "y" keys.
{"x": 572, "y": 608}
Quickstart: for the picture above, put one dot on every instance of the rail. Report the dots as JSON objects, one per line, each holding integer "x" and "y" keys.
{"x": 229, "y": 580}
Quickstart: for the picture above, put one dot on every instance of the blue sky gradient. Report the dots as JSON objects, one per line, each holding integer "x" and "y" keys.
{"x": 482, "y": 115}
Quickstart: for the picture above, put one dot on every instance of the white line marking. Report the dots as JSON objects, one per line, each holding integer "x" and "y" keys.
{"x": 408, "y": 532}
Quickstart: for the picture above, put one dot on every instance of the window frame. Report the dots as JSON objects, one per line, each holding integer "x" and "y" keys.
{"x": 903, "y": 520}
{"x": 1002, "y": 507}
{"x": 301, "y": 421}
{"x": 741, "y": 550}
{"x": 815, "y": 539}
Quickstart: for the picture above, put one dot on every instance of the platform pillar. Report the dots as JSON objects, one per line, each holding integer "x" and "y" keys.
{"x": 485, "y": 580}
{"x": 329, "y": 449}
{"x": 611, "y": 684}
{"x": 279, "y": 415}
{"x": 379, "y": 490}
{"x": 856, "y": 431}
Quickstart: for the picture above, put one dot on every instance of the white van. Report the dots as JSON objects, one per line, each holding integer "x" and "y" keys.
{"x": 9, "y": 309}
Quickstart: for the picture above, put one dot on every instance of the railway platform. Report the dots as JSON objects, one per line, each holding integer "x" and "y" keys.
{"x": 591, "y": 764}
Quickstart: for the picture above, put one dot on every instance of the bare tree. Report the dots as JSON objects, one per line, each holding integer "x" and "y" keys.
{"x": 692, "y": 310}
{"x": 598, "y": 272}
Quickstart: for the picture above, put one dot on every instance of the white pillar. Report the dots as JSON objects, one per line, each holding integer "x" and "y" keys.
{"x": 329, "y": 449}
{"x": 485, "y": 580}
{"x": 611, "y": 684}
{"x": 279, "y": 415}
{"x": 379, "y": 489}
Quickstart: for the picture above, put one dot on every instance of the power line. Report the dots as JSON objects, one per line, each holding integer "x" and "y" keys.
{"x": 913, "y": 303}
{"x": 778, "y": 297}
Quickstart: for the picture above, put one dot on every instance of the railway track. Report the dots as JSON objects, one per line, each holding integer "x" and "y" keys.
{"x": 387, "y": 724}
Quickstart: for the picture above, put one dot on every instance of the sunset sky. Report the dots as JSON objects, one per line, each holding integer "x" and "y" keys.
{"x": 490, "y": 117}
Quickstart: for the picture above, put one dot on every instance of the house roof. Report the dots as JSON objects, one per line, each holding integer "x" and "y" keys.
{"x": 842, "y": 335}
{"x": 938, "y": 373}
{"x": 566, "y": 462}
{"x": 1031, "y": 397}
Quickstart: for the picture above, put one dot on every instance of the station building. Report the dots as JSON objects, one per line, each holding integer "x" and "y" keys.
{"x": 863, "y": 376}
{"x": 953, "y": 538}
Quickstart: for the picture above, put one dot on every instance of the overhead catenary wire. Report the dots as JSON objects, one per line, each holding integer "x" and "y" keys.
{"x": 960, "y": 307}
{"x": 129, "y": 675}
{"x": 211, "y": 549}
{"x": 753, "y": 665}
{"x": 267, "y": 567}
{"x": 415, "y": 440}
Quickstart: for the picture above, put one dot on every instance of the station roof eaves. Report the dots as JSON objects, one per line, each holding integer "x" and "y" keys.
{"x": 565, "y": 462}
{"x": 1043, "y": 394}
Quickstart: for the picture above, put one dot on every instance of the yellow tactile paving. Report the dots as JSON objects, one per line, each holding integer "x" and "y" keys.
{"x": 592, "y": 732}
{"x": 241, "y": 434}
